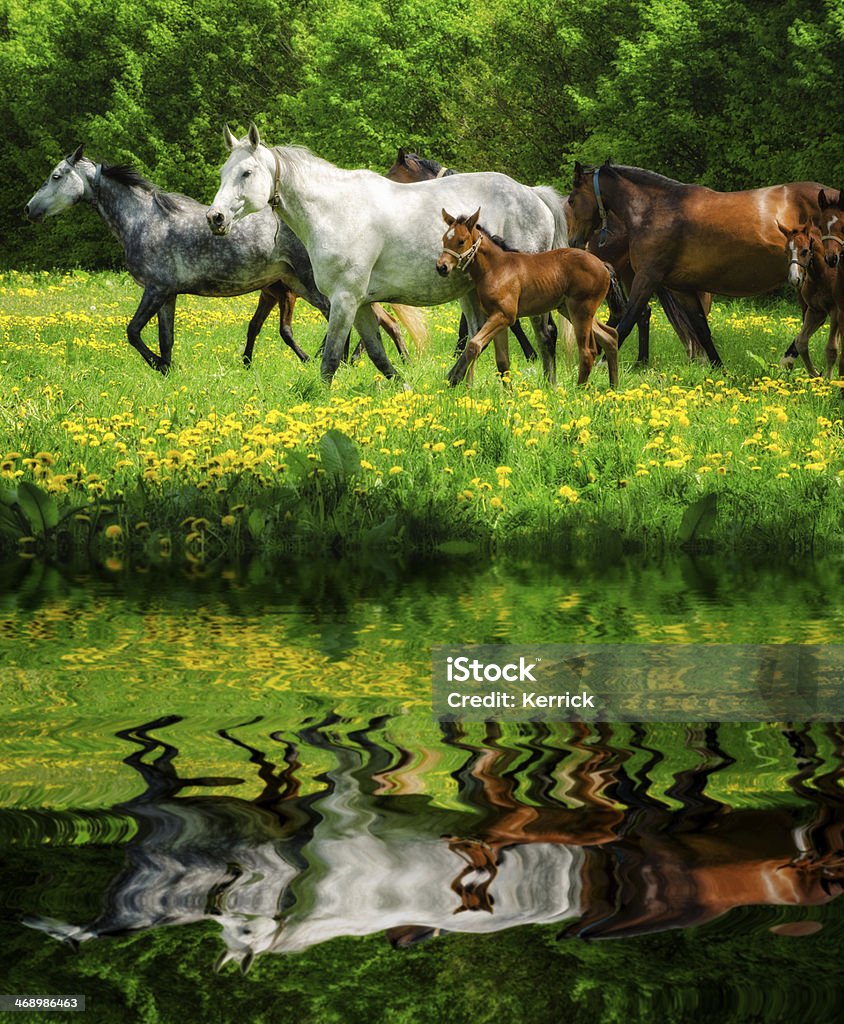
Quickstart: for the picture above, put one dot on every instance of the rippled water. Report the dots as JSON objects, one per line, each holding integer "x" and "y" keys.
{"x": 244, "y": 772}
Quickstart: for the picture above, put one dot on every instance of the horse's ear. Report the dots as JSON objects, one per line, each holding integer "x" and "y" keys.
{"x": 823, "y": 202}
{"x": 228, "y": 137}
{"x": 447, "y": 217}
{"x": 473, "y": 220}
{"x": 786, "y": 231}
{"x": 400, "y": 159}
{"x": 246, "y": 962}
{"x": 608, "y": 162}
{"x": 75, "y": 156}
{"x": 578, "y": 171}
{"x": 254, "y": 137}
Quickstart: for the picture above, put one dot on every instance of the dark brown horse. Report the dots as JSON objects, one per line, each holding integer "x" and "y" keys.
{"x": 512, "y": 284}
{"x": 815, "y": 281}
{"x": 409, "y": 168}
{"x": 689, "y": 238}
{"x": 831, "y": 222}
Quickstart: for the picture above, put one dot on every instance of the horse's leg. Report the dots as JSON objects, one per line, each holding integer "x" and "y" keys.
{"x": 392, "y": 328}
{"x": 150, "y": 303}
{"x": 366, "y": 323}
{"x": 166, "y": 331}
{"x": 581, "y": 318}
{"x": 546, "y": 335}
{"x": 607, "y": 338}
{"x": 832, "y": 343}
{"x": 286, "y": 305}
{"x": 344, "y": 309}
{"x": 640, "y": 294}
{"x": 498, "y": 321}
{"x": 812, "y": 320}
{"x": 699, "y": 326}
{"x": 522, "y": 338}
{"x": 462, "y": 335}
{"x": 266, "y": 304}
{"x": 502, "y": 352}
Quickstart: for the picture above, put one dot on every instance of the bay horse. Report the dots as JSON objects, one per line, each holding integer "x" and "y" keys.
{"x": 511, "y": 284}
{"x": 610, "y": 246}
{"x": 371, "y": 239}
{"x": 690, "y": 238}
{"x": 814, "y": 280}
{"x": 169, "y": 252}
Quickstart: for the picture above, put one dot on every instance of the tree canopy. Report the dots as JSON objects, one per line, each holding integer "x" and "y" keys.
{"x": 728, "y": 93}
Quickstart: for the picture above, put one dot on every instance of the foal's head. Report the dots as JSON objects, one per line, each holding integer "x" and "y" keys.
{"x": 831, "y": 223}
{"x": 801, "y": 244}
{"x": 460, "y": 242}
{"x": 409, "y": 168}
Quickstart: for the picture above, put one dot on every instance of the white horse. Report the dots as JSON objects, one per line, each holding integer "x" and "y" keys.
{"x": 370, "y": 239}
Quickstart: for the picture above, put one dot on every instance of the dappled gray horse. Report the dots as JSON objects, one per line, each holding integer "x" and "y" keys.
{"x": 372, "y": 240}
{"x": 169, "y": 251}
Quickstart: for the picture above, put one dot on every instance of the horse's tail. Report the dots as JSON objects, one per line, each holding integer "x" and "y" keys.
{"x": 682, "y": 323}
{"x": 557, "y": 205}
{"x": 415, "y": 323}
{"x": 616, "y": 299}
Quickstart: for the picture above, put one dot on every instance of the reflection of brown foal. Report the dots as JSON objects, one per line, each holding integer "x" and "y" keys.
{"x": 516, "y": 284}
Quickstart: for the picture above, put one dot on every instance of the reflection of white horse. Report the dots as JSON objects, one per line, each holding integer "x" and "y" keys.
{"x": 373, "y": 240}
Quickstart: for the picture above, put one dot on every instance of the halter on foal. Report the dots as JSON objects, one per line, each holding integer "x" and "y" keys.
{"x": 814, "y": 281}
{"x": 512, "y": 284}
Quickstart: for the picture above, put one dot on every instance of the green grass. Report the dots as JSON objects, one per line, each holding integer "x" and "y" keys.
{"x": 217, "y": 457}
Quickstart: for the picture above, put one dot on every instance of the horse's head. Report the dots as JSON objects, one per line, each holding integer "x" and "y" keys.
{"x": 62, "y": 189}
{"x": 831, "y": 223}
{"x": 247, "y": 185}
{"x": 410, "y": 168}
{"x": 582, "y": 213}
{"x": 800, "y": 246}
{"x": 460, "y": 242}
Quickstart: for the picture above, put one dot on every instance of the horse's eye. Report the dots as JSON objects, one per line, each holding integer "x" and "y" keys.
{"x": 246, "y": 174}
{"x": 57, "y": 176}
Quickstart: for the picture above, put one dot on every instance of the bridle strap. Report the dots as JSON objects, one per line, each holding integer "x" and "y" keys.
{"x": 275, "y": 198}
{"x": 596, "y": 185}
{"x": 441, "y": 173}
{"x": 465, "y": 258}
{"x": 833, "y": 238}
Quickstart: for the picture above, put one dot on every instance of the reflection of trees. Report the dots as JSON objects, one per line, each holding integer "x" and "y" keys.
{"x": 545, "y": 830}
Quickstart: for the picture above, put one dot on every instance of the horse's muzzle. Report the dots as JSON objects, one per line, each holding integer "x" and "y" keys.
{"x": 443, "y": 269}
{"x": 217, "y": 221}
{"x": 34, "y": 215}
{"x": 832, "y": 259}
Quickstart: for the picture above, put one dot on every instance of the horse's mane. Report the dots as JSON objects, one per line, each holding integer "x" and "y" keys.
{"x": 499, "y": 241}
{"x": 125, "y": 174}
{"x": 640, "y": 176}
{"x": 430, "y": 165}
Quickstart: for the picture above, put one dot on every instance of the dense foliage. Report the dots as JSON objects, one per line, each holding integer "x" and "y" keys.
{"x": 731, "y": 93}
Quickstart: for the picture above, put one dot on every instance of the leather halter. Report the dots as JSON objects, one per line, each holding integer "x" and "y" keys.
{"x": 465, "y": 258}
{"x": 602, "y": 237}
{"x": 833, "y": 238}
{"x": 275, "y": 198}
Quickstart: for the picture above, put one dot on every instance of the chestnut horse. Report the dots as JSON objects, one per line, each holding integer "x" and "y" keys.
{"x": 510, "y": 284}
{"x": 815, "y": 283}
{"x": 690, "y": 238}
{"x": 831, "y": 222}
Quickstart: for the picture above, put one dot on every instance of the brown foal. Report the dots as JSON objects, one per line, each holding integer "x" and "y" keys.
{"x": 512, "y": 284}
{"x": 815, "y": 281}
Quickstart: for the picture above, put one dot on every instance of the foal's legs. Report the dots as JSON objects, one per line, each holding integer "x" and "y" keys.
{"x": 832, "y": 343}
{"x": 581, "y": 316}
{"x": 151, "y": 302}
{"x": 391, "y": 326}
{"x": 502, "y": 352}
{"x": 498, "y": 321}
{"x": 812, "y": 320}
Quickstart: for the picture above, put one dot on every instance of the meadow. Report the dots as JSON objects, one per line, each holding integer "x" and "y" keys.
{"x": 98, "y": 450}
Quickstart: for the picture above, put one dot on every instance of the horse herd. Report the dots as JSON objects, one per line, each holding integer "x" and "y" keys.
{"x": 286, "y": 223}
